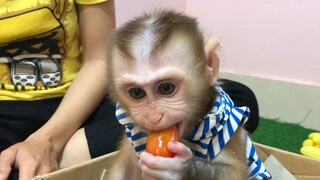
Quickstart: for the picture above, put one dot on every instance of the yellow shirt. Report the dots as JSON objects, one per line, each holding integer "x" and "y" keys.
{"x": 39, "y": 47}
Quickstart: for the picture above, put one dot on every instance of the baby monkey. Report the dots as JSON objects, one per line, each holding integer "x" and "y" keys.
{"x": 161, "y": 74}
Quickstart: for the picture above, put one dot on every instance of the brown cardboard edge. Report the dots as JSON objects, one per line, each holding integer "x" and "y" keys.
{"x": 92, "y": 169}
{"x": 300, "y": 166}
{"x": 303, "y": 168}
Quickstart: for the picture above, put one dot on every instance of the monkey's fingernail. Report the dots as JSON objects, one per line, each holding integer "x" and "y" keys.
{"x": 173, "y": 142}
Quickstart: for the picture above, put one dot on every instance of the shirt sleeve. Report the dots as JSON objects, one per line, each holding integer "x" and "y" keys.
{"x": 89, "y": 1}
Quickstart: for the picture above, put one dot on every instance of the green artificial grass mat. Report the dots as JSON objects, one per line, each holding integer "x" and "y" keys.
{"x": 285, "y": 136}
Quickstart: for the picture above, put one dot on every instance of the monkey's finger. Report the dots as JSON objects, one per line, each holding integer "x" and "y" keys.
{"x": 149, "y": 161}
{"x": 165, "y": 174}
{"x": 150, "y": 169}
{"x": 159, "y": 163}
{"x": 180, "y": 150}
{"x": 160, "y": 175}
{"x": 156, "y": 167}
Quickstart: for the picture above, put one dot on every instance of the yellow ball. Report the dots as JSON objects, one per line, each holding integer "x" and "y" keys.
{"x": 308, "y": 142}
{"x": 316, "y": 139}
{"x": 310, "y": 136}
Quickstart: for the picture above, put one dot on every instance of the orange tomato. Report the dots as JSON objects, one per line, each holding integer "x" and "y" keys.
{"x": 157, "y": 141}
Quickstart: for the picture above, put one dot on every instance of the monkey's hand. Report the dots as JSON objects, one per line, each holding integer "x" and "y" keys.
{"x": 157, "y": 167}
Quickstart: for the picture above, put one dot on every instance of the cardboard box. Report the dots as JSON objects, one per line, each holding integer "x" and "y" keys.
{"x": 91, "y": 170}
{"x": 301, "y": 167}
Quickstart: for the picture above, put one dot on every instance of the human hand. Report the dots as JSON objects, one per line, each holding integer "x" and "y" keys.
{"x": 156, "y": 167}
{"x": 31, "y": 157}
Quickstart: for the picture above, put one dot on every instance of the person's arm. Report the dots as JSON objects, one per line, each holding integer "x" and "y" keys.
{"x": 90, "y": 85}
{"x": 41, "y": 151}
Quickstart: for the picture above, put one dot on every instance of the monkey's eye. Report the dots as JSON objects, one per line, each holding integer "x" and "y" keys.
{"x": 137, "y": 93}
{"x": 166, "y": 88}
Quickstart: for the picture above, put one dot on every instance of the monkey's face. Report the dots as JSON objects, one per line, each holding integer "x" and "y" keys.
{"x": 161, "y": 92}
{"x": 154, "y": 94}
{"x": 160, "y": 83}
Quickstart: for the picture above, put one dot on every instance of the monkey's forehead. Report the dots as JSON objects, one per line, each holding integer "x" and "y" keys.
{"x": 146, "y": 74}
{"x": 174, "y": 55}
{"x": 143, "y": 44}
{"x": 146, "y": 45}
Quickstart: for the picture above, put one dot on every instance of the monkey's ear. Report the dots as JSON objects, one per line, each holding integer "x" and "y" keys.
{"x": 212, "y": 59}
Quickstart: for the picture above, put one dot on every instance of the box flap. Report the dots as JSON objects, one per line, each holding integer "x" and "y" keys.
{"x": 300, "y": 166}
{"x": 92, "y": 169}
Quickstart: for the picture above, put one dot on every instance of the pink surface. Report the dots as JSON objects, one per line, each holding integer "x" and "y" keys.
{"x": 277, "y": 39}
{"x": 126, "y": 9}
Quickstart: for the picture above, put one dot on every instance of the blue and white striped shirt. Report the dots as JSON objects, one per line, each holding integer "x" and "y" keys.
{"x": 210, "y": 136}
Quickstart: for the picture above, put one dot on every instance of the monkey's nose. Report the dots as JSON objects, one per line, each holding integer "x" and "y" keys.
{"x": 153, "y": 117}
